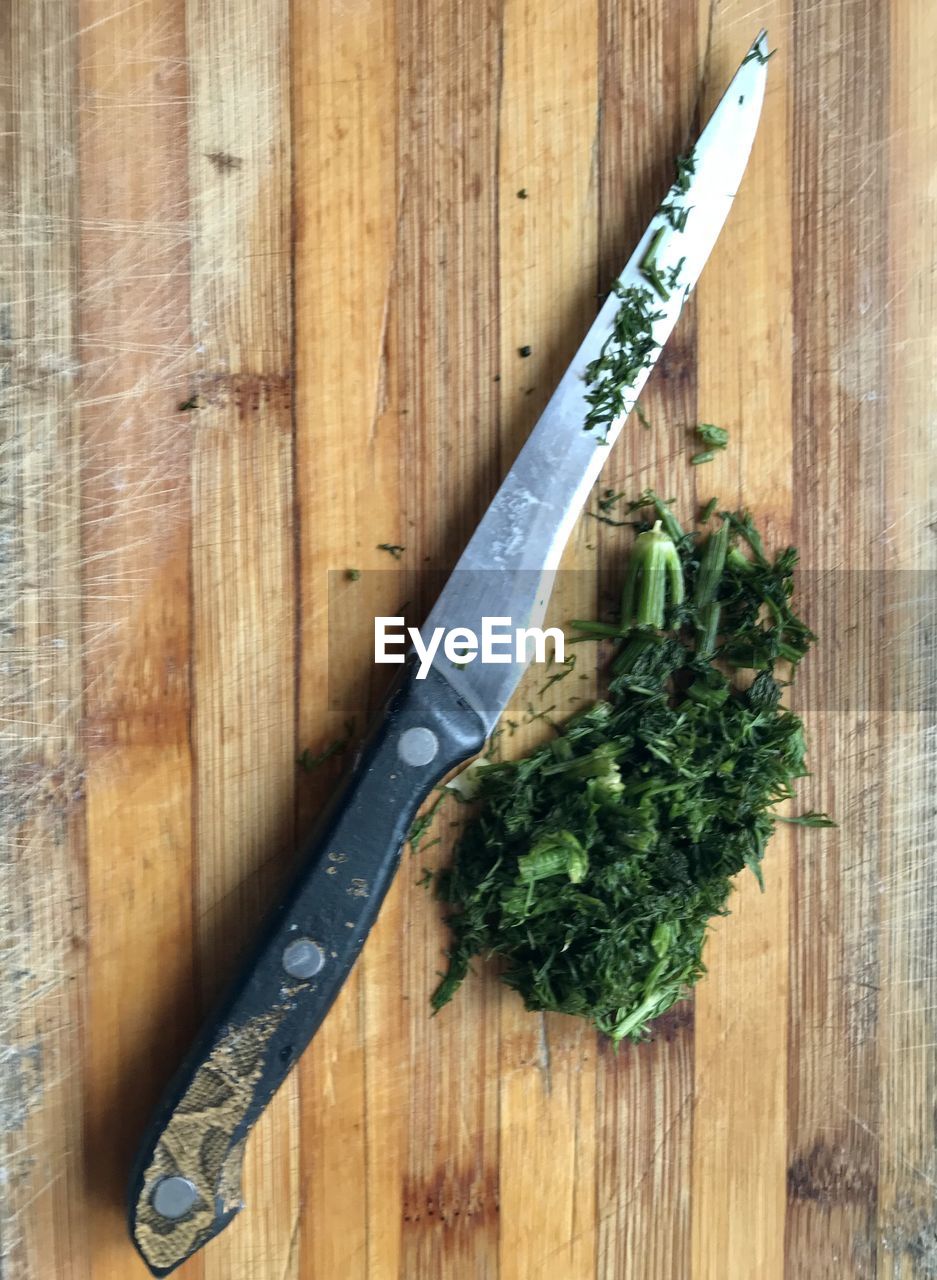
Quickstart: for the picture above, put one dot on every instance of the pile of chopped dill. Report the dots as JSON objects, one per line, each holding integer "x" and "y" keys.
{"x": 593, "y": 867}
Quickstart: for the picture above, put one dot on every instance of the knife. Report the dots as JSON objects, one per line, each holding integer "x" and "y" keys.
{"x": 185, "y": 1186}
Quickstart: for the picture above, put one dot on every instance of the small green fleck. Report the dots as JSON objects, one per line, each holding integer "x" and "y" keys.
{"x": 610, "y": 498}
{"x": 392, "y": 549}
{"x": 810, "y": 819}
{"x": 673, "y": 276}
{"x": 686, "y": 168}
{"x": 352, "y": 574}
{"x": 567, "y": 667}
{"x": 605, "y": 519}
{"x": 648, "y": 265}
{"x": 676, "y": 214}
{"x": 309, "y": 762}
{"x": 420, "y": 826}
{"x": 757, "y": 56}
{"x": 642, "y": 417}
{"x": 714, "y": 437}
{"x": 706, "y": 455}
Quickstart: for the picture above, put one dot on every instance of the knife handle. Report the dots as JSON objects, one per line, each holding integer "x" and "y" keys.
{"x": 186, "y": 1183}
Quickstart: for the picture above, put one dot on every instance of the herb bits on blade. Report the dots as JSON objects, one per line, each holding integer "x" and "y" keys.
{"x": 593, "y": 867}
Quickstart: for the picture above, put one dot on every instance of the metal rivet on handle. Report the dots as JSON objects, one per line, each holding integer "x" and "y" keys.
{"x": 303, "y": 958}
{"x": 174, "y": 1197}
{"x": 417, "y": 745}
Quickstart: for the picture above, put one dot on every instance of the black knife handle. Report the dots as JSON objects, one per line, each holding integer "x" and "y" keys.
{"x": 186, "y": 1183}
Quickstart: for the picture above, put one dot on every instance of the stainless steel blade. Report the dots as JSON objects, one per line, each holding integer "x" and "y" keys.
{"x": 507, "y": 568}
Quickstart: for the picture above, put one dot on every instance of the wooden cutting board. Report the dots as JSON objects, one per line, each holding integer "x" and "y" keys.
{"x": 327, "y": 228}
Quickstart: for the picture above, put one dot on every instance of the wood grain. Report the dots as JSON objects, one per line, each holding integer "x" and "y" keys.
{"x": 43, "y": 906}
{"x": 133, "y": 345}
{"x": 744, "y": 382}
{"x": 450, "y": 81}
{"x": 907, "y": 1004}
{"x": 242, "y": 545}
{"x": 840, "y": 184}
{"x": 302, "y": 220}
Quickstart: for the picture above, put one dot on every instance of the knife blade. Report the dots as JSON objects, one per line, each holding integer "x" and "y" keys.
{"x": 185, "y": 1185}
{"x": 507, "y": 568}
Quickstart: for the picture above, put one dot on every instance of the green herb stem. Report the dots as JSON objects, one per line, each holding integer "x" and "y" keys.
{"x": 653, "y": 569}
{"x": 712, "y": 565}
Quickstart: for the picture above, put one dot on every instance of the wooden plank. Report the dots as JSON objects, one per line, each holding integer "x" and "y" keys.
{"x": 133, "y": 316}
{"x": 739, "y": 1180}
{"x": 649, "y": 83}
{"x": 42, "y": 919}
{"x": 839, "y": 197}
{"x": 347, "y": 219}
{"x": 546, "y": 300}
{"x": 448, "y": 344}
{"x": 907, "y": 1005}
{"x": 243, "y": 646}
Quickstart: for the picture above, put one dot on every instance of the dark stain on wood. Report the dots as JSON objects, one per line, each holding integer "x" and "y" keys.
{"x": 451, "y": 1196}
{"x": 224, "y": 161}
{"x": 830, "y": 1175}
{"x": 247, "y": 392}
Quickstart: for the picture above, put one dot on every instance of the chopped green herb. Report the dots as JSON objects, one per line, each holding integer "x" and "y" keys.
{"x": 707, "y": 455}
{"x": 686, "y": 167}
{"x": 714, "y": 437}
{"x": 524, "y": 351}
{"x": 642, "y": 418}
{"x": 604, "y": 519}
{"x": 193, "y": 402}
{"x": 533, "y": 715}
{"x": 757, "y": 56}
{"x": 654, "y": 572}
{"x": 610, "y": 498}
{"x": 425, "y": 880}
{"x": 352, "y": 574}
{"x": 392, "y": 549}
{"x": 676, "y": 214}
{"x": 628, "y": 349}
{"x": 420, "y": 826}
{"x": 649, "y": 268}
{"x": 810, "y": 819}
{"x": 598, "y": 631}
{"x": 595, "y": 864}
{"x": 565, "y": 669}
{"x": 522, "y": 194}
{"x": 706, "y": 514}
{"x": 309, "y": 762}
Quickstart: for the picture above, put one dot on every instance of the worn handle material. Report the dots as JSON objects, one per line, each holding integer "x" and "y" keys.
{"x": 186, "y": 1184}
